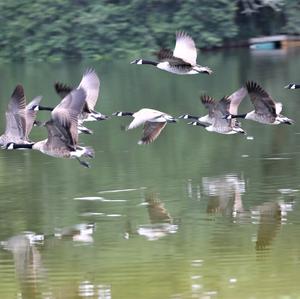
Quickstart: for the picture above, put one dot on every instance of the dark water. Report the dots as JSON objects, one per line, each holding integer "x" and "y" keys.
{"x": 193, "y": 215}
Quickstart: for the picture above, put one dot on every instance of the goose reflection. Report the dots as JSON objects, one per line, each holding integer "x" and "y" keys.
{"x": 271, "y": 215}
{"x": 82, "y": 232}
{"x": 224, "y": 194}
{"x": 27, "y": 260}
{"x": 161, "y": 222}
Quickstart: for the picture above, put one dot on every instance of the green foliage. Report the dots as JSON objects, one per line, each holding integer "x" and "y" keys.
{"x": 102, "y": 29}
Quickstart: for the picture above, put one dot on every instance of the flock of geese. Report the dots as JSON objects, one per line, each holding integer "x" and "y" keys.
{"x": 77, "y": 106}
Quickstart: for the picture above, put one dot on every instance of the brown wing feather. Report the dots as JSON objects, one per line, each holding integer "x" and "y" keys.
{"x": 151, "y": 131}
{"x": 62, "y": 89}
{"x": 261, "y": 100}
{"x": 65, "y": 114}
{"x": 164, "y": 54}
{"x": 209, "y": 103}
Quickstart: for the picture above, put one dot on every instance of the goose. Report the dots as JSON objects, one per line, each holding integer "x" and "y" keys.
{"x": 153, "y": 120}
{"x": 217, "y": 112}
{"x": 90, "y": 82}
{"x": 292, "y": 86}
{"x": 19, "y": 118}
{"x": 266, "y": 110}
{"x": 181, "y": 61}
{"x": 235, "y": 100}
{"x": 62, "y": 141}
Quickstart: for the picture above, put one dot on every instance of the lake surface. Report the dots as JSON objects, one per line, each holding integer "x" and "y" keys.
{"x": 192, "y": 215}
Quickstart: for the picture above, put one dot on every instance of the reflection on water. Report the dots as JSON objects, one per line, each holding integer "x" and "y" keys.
{"x": 82, "y": 232}
{"x": 224, "y": 194}
{"x": 271, "y": 216}
{"x": 27, "y": 261}
{"x": 161, "y": 222}
{"x": 198, "y": 210}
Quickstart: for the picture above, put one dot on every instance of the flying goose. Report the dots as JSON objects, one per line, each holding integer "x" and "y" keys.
{"x": 62, "y": 141}
{"x": 181, "y": 61}
{"x": 217, "y": 111}
{"x": 19, "y": 118}
{"x": 153, "y": 120}
{"x": 235, "y": 100}
{"x": 90, "y": 82}
{"x": 292, "y": 86}
{"x": 266, "y": 110}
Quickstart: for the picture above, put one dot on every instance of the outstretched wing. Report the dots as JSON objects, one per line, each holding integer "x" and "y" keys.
{"x": 62, "y": 89}
{"x": 65, "y": 114}
{"x": 209, "y": 103}
{"x": 15, "y": 114}
{"x": 90, "y": 83}
{"x": 261, "y": 100}
{"x": 185, "y": 48}
{"x": 31, "y": 114}
{"x": 235, "y": 100}
{"x": 151, "y": 131}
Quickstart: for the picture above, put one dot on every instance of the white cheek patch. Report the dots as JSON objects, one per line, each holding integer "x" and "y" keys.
{"x": 140, "y": 61}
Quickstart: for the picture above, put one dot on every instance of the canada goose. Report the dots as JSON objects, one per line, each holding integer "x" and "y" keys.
{"x": 153, "y": 120}
{"x": 181, "y": 61}
{"x": 235, "y": 100}
{"x": 62, "y": 141}
{"x": 266, "y": 110}
{"x": 217, "y": 112}
{"x": 292, "y": 86}
{"x": 90, "y": 82}
{"x": 19, "y": 118}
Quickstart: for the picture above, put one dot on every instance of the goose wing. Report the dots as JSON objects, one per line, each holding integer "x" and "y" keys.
{"x": 62, "y": 89}
{"x": 261, "y": 100}
{"x": 65, "y": 114}
{"x": 167, "y": 55}
{"x": 15, "y": 114}
{"x": 235, "y": 100}
{"x": 56, "y": 138}
{"x": 209, "y": 103}
{"x": 90, "y": 82}
{"x": 143, "y": 115}
{"x": 151, "y": 131}
{"x": 163, "y": 54}
{"x": 31, "y": 114}
{"x": 185, "y": 48}
{"x": 221, "y": 110}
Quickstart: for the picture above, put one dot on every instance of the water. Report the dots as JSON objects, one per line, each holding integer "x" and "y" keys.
{"x": 193, "y": 215}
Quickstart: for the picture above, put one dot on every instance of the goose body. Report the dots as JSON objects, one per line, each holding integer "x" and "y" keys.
{"x": 266, "y": 111}
{"x": 19, "y": 118}
{"x": 235, "y": 100}
{"x": 292, "y": 86}
{"x": 90, "y": 83}
{"x": 62, "y": 141}
{"x": 180, "y": 61}
{"x": 217, "y": 111}
{"x": 153, "y": 120}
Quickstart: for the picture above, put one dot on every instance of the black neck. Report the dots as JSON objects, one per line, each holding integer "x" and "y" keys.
{"x": 192, "y": 116}
{"x": 297, "y": 85}
{"x": 238, "y": 116}
{"x": 149, "y": 62}
{"x": 23, "y": 145}
{"x": 46, "y": 108}
{"x": 126, "y": 113}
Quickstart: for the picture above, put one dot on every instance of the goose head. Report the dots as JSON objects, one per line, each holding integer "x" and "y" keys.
{"x": 290, "y": 86}
{"x": 137, "y": 61}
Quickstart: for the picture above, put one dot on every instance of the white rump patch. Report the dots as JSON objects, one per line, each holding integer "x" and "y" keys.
{"x": 278, "y": 107}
